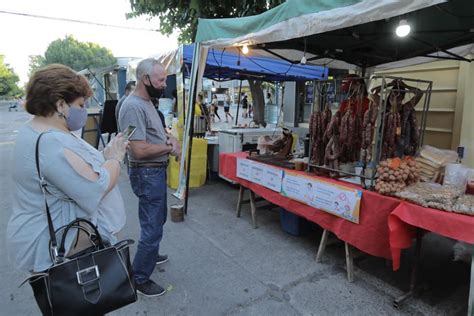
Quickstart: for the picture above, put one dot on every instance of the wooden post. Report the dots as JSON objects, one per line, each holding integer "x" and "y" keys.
{"x": 253, "y": 209}
{"x": 349, "y": 262}
{"x": 240, "y": 200}
{"x": 322, "y": 245}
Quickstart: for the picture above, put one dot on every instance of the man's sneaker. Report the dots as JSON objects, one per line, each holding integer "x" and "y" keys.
{"x": 161, "y": 259}
{"x": 150, "y": 289}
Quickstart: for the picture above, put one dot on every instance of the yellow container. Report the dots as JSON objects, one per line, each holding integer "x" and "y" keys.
{"x": 198, "y": 173}
{"x": 295, "y": 141}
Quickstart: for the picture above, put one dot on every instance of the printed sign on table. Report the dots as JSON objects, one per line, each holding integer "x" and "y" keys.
{"x": 332, "y": 198}
{"x": 243, "y": 169}
{"x": 273, "y": 178}
{"x": 259, "y": 173}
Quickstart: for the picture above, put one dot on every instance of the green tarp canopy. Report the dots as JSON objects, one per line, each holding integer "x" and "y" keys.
{"x": 349, "y": 34}
{"x": 344, "y": 34}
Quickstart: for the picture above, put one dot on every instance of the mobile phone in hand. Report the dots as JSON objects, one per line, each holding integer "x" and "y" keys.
{"x": 129, "y": 131}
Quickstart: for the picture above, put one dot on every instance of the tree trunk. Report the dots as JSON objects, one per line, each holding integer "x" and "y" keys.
{"x": 258, "y": 102}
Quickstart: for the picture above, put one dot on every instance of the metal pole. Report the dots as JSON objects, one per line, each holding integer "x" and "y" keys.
{"x": 184, "y": 96}
{"x": 470, "y": 308}
{"x": 188, "y": 162}
{"x": 414, "y": 271}
{"x": 238, "y": 103}
{"x": 190, "y": 130}
{"x": 426, "y": 107}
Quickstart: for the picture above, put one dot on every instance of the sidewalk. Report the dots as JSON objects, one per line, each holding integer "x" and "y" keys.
{"x": 222, "y": 124}
{"x": 220, "y": 265}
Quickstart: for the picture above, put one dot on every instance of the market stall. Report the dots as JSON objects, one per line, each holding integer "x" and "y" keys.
{"x": 222, "y": 65}
{"x": 350, "y": 35}
{"x": 374, "y": 210}
{"x": 357, "y": 35}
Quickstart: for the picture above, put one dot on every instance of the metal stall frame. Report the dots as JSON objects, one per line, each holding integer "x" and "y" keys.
{"x": 321, "y": 88}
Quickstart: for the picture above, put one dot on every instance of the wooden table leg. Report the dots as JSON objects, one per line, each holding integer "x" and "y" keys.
{"x": 253, "y": 209}
{"x": 349, "y": 263}
{"x": 240, "y": 200}
{"x": 470, "y": 309}
{"x": 322, "y": 245}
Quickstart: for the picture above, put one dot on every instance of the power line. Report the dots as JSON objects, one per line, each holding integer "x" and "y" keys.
{"x": 75, "y": 21}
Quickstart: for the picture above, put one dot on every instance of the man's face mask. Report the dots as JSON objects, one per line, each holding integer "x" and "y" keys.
{"x": 152, "y": 91}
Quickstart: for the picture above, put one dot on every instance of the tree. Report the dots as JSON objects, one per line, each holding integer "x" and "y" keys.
{"x": 35, "y": 62}
{"x": 75, "y": 54}
{"x": 183, "y": 15}
{"x": 8, "y": 80}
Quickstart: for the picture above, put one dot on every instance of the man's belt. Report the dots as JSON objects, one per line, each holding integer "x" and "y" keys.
{"x": 160, "y": 164}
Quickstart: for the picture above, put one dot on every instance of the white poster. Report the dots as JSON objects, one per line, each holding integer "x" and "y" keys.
{"x": 332, "y": 198}
{"x": 272, "y": 178}
{"x": 257, "y": 173}
{"x": 243, "y": 169}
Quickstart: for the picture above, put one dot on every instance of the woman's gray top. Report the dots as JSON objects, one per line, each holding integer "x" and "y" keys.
{"x": 71, "y": 196}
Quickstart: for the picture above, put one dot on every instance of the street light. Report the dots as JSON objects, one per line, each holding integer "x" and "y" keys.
{"x": 403, "y": 28}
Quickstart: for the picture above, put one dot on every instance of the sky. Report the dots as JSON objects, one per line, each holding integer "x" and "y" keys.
{"x": 23, "y": 36}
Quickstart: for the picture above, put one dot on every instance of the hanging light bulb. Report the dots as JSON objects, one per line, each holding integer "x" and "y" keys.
{"x": 303, "y": 60}
{"x": 245, "y": 49}
{"x": 403, "y": 28}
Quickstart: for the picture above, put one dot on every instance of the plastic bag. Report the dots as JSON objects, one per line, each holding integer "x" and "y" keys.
{"x": 442, "y": 197}
{"x": 456, "y": 174}
{"x": 265, "y": 142}
{"x": 465, "y": 205}
{"x": 439, "y": 156}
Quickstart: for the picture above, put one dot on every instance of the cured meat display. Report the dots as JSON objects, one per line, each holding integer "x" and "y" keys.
{"x": 319, "y": 122}
{"x": 368, "y": 128}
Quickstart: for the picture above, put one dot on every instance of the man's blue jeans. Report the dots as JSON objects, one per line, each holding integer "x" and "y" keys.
{"x": 149, "y": 185}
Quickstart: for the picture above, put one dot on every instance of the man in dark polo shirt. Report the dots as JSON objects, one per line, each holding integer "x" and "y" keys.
{"x": 148, "y": 153}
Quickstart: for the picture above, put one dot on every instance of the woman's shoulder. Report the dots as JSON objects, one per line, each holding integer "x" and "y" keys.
{"x": 58, "y": 137}
{"x": 28, "y": 134}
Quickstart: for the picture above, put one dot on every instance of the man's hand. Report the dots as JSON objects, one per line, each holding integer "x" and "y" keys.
{"x": 176, "y": 151}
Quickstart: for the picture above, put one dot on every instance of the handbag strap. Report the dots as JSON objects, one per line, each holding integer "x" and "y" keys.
{"x": 73, "y": 224}
{"x": 52, "y": 235}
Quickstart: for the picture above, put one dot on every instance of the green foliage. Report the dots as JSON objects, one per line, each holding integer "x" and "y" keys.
{"x": 75, "y": 54}
{"x": 8, "y": 81}
{"x": 183, "y": 15}
{"x": 35, "y": 62}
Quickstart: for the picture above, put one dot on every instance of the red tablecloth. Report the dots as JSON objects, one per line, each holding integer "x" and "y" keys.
{"x": 371, "y": 235}
{"x": 386, "y": 226}
{"x": 407, "y": 216}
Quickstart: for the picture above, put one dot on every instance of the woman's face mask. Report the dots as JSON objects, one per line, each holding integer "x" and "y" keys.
{"x": 76, "y": 117}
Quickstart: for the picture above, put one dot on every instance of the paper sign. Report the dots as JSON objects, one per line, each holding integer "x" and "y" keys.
{"x": 259, "y": 173}
{"x": 332, "y": 198}
{"x": 243, "y": 168}
{"x": 272, "y": 178}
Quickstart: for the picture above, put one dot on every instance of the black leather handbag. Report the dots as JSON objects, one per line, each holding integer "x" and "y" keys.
{"x": 92, "y": 282}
